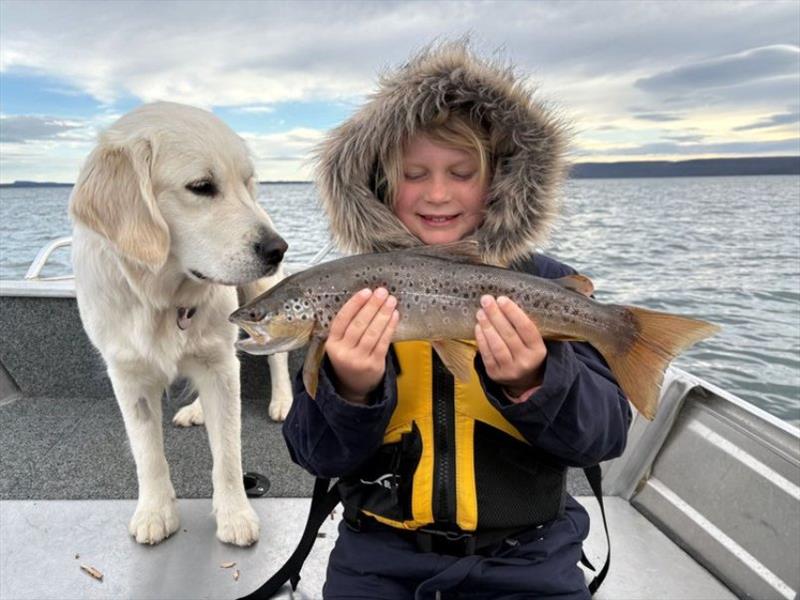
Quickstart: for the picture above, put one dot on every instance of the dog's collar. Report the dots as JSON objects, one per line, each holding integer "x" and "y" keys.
{"x": 185, "y": 316}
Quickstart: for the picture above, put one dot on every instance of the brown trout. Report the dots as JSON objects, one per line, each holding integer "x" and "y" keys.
{"x": 438, "y": 291}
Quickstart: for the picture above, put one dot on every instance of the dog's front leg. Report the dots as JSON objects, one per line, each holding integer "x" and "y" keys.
{"x": 139, "y": 399}
{"x": 217, "y": 382}
{"x": 281, "y": 396}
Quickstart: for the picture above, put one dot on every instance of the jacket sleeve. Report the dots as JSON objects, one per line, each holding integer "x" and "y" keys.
{"x": 579, "y": 414}
{"x": 330, "y": 437}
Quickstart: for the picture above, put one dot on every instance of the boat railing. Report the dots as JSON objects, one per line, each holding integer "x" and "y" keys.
{"x": 34, "y": 284}
{"x": 35, "y": 269}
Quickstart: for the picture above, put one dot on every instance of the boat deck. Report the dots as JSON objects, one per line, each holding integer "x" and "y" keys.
{"x": 68, "y": 485}
{"x": 43, "y": 544}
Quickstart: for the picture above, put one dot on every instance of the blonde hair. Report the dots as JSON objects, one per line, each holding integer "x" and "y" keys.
{"x": 450, "y": 130}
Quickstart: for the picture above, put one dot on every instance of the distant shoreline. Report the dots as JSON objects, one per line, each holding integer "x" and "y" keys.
{"x": 707, "y": 167}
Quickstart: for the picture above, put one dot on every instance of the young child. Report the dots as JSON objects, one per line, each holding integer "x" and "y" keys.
{"x": 452, "y": 489}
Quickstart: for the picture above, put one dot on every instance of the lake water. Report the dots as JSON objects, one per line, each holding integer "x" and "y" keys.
{"x": 724, "y": 249}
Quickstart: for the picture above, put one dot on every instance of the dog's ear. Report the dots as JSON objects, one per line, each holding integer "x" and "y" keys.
{"x": 252, "y": 187}
{"x": 114, "y": 197}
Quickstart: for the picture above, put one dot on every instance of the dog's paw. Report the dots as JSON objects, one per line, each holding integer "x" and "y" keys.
{"x": 279, "y": 407}
{"x": 191, "y": 414}
{"x": 239, "y": 527}
{"x": 151, "y": 525}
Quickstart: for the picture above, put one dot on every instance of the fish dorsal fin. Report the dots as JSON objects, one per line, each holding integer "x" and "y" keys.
{"x": 457, "y": 356}
{"x": 463, "y": 251}
{"x": 577, "y": 283}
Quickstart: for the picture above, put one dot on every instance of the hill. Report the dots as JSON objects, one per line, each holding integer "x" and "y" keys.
{"x": 710, "y": 167}
{"x": 707, "y": 167}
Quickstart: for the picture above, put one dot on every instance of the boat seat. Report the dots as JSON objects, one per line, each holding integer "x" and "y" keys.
{"x": 43, "y": 544}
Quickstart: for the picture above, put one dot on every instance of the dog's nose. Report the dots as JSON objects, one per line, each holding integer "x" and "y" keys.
{"x": 271, "y": 249}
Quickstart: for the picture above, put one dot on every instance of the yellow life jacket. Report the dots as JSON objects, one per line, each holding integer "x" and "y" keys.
{"x": 450, "y": 460}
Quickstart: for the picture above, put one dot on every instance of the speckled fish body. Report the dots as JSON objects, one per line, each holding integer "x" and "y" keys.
{"x": 436, "y": 298}
{"x": 438, "y": 290}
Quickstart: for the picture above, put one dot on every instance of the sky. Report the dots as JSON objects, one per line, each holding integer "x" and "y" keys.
{"x": 646, "y": 80}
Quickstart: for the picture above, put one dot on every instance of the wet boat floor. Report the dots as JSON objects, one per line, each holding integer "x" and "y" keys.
{"x": 68, "y": 489}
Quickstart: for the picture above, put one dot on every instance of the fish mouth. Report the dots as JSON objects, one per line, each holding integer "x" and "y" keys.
{"x": 253, "y": 346}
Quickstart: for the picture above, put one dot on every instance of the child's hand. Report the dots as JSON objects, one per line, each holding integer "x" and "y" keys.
{"x": 510, "y": 345}
{"x": 359, "y": 340}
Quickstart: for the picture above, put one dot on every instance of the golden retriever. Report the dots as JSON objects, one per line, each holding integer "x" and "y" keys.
{"x": 166, "y": 224}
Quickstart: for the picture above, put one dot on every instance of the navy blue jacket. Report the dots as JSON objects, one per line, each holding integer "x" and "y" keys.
{"x": 579, "y": 415}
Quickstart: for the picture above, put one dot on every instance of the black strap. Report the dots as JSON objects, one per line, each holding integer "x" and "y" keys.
{"x": 323, "y": 502}
{"x": 595, "y": 477}
{"x": 326, "y": 498}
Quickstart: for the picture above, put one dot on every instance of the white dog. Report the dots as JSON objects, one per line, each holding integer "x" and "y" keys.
{"x": 165, "y": 224}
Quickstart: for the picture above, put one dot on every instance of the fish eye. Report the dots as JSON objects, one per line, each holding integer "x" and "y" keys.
{"x": 202, "y": 187}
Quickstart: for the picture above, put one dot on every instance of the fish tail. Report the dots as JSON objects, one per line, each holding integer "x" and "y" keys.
{"x": 639, "y": 362}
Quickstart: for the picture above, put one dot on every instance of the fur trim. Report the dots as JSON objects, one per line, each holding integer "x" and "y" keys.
{"x": 529, "y": 145}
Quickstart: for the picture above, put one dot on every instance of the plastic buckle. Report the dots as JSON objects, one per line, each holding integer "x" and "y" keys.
{"x": 453, "y": 543}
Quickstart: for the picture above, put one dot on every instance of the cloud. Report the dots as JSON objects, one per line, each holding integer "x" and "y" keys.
{"x": 658, "y": 117}
{"x": 260, "y": 109}
{"x": 256, "y": 63}
{"x": 786, "y": 146}
{"x": 285, "y": 155}
{"x": 772, "y": 121}
{"x": 685, "y": 138}
{"x": 256, "y": 53}
{"x": 725, "y": 71}
{"x": 23, "y": 129}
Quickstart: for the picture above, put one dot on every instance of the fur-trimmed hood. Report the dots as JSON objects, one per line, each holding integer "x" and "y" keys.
{"x": 528, "y": 153}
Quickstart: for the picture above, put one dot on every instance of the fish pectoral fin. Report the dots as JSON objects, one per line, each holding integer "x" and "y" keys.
{"x": 457, "y": 356}
{"x": 577, "y": 283}
{"x": 562, "y": 337}
{"x": 312, "y": 364}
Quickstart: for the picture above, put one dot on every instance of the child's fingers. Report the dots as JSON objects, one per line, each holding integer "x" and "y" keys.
{"x": 346, "y": 314}
{"x": 363, "y": 318}
{"x": 382, "y": 346}
{"x": 486, "y": 353}
{"x": 495, "y": 343}
{"x": 524, "y": 326}
{"x": 372, "y": 334}
{"x": 500, "y": 323}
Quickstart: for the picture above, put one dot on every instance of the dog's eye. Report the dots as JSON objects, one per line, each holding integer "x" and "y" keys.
{"x": 204, "y": 187}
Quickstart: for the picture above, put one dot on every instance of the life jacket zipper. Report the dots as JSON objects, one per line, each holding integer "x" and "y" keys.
{"x": 443, "y": 399}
